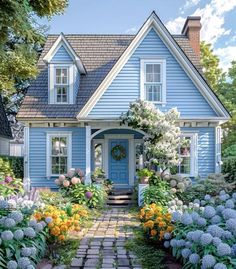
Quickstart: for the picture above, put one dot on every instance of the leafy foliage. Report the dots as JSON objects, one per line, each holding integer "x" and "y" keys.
{"x": 230, "y": 151}
{"x": 12, "y": 166}
{"x": 229, "y": 168}
{"x": 10, "y": 186}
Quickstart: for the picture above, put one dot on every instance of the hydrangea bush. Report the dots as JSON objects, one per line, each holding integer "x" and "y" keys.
{"x": 205, "y": 233}
{"x": 22, "y": 242}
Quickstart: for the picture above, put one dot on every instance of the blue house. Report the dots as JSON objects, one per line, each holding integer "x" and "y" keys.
{"x": 72, "y": 110}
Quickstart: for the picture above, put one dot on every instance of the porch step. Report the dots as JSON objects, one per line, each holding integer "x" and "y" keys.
{"x": 120, "y": 198}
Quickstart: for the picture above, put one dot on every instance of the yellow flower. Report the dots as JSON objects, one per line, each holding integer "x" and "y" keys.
{"x": 153, "y": 232}
{"x": 149, "y": 224}
{"x": 162, "y": 224}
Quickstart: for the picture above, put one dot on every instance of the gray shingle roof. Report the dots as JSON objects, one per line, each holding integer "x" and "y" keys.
{"x": 5, "y": 130}
{"x": 98, "y": 53}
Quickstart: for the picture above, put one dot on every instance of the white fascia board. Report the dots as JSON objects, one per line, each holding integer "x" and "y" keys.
{"x": 61, "y": 41}
{"x": 154, "y": 21}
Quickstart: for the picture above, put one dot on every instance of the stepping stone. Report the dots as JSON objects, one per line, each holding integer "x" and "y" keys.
{"x": 77, "y": 262}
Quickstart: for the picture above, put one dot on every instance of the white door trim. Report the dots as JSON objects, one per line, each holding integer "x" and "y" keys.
{"x": 130, "y": 138}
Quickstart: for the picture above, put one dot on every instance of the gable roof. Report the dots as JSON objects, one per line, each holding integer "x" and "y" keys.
{"x": 62, "y": 41}
{"x": 154, "y": 22}
{"x": 5, "y": 130}
{"x": 99, "y": 54}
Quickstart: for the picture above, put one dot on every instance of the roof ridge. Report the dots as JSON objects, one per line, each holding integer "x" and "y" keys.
{"x": 128, "y": 35}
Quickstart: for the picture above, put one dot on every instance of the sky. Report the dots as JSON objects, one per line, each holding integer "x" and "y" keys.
{"x": 127, "y": 16}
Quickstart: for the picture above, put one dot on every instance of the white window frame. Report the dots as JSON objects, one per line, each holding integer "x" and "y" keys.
{"x": 56, "y": 85}
{"x": 193, "y": 154}
{"x": 50, "y": 135}
{"x": 52, "y": 92}
{"x": 143, "y": 63}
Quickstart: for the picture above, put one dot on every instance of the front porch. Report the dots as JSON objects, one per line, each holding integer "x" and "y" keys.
{"x": 116, "y": 151}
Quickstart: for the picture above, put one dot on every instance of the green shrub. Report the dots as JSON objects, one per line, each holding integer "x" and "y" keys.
{"x": 159, "y": 194}
{"x": 14, "y": 166}
{"x": 229, "y": 168}
{"x": 10, "y": 186}
{"x": 229, "y": 151}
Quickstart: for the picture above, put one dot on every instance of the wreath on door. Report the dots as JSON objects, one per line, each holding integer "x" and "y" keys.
{"x": 118, "y": 152}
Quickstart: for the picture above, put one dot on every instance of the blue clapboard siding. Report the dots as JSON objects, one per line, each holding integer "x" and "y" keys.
{"x": 206, "y": 149}
{"x": 136, "y": 134}
{"x": 181, "y": 92}
{"x": 37, "y": 153}
{"x": 61, "y": 56}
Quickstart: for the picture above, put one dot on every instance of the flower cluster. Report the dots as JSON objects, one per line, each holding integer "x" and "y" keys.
{"x": 61, "y": 221}
{"x": 177, "y": 183}
{"x": 10, "y": 186}
{"x": 156, "y": 222}
{"x": 209, "y": 228}
{"x": 73, "y": 177}
{"x": 26, "y": 242}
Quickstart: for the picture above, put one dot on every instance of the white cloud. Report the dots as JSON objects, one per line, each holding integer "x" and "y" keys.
{"x": 212, "y": 19}
{"x": 131, "y": 30}
{"x": 226, "y": 55}
{"x": 188, "y": 4}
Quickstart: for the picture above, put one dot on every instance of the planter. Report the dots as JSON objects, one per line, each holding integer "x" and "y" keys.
{"x": 144, "y": 180}
{"x": 141, "y": 188}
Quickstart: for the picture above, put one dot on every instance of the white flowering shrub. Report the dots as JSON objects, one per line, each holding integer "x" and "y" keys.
{"x": 22, "y": 241}
{"x": 205, "y": 232}
{"x": 178, "y": 183}
{"x": 162, "y": 135}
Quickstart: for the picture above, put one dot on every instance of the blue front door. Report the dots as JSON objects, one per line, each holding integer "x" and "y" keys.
{"x": 118, "y": 169}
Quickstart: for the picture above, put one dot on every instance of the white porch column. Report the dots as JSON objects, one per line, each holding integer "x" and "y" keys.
{"x": 88, "y": 155}
{"x": 218, "y": 149}
{"x": 26, "y": 179}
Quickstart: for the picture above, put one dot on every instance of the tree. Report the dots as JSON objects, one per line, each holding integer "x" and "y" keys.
{"x": 162, "y": 135}
{"x": 21, "y": 40}
{"x": 210, "y": 63}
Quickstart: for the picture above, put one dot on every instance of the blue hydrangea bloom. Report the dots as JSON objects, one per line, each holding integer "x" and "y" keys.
{"x": 223, "y": 197}
{"x": 23, "y": 262}
{"x": 201, "y": 222}
{"x": 227, "y": 235}
{"x": 189, "y": 235}
{"x": 231, "y": 224}
{"x": 38, "y": 227}
{"x": 220, "y": 266}
{"x": 207, "y": 197}
{"x": 173, "y": 243}
{"x": 176, "y": 216}
{"x": 3, "y": 204}
{"x": 194, "y": 258}
{"x": 17, "y": 216}
{"x": 26, "y": 252}
{"x": 7, "y": 235}
{"x": 196, "y": 201}
{"x": 29, "y": 232}
{"x": 48, "y": 220}
{"x": 197, "y": 235}
{"x": 229, "y": 213}
{"x": 9, "y": 222}
{"x": 12, "y": 265}
{"x": 208, "y": 261}
{"x": 215, "y": 230}
{"x": 33, "y": 251}
{"x": 216, "y": 241}
{"x": 233, "y": 250}
{"x": 209, "y": 212}
{"x": 186, "y": 252}
{"x": 234, "y": 195}
{"x": 203, "y": 202}
{"x": 206, "y": 239}
{"x": 188, "y": 244}
{"x": 167, "y": 236}
{"x": 195, "y": 216}
{"x": 223, "y": 249}
{"x": 186, "y": 219}
{"x": 32, "y": 223}
{"x": 216, "y": 219}
{"x": 18, "y": 234}
{"x": 229, "y": 203}
{"x": 222, "y": 192}
{"x": 220, "y": 208}
{"x": 167, "y": 244}
{"x": 30, "y": 267}
{"x": 180, "y": 243}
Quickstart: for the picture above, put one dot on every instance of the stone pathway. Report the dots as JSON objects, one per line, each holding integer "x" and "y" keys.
{"x": 103, "y": 244}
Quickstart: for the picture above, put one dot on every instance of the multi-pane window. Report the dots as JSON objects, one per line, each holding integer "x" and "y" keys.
{"x": 185, "y": 153}
{"x": 59, "y": 154}
{"x": 153, "y": 82}
{"x": 62, "y": 85}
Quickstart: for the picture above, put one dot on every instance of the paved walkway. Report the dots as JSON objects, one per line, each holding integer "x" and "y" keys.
{"x": 103, "y": 244}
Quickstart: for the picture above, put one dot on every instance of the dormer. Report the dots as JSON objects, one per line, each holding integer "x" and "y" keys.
{"x": 64, "y": 70}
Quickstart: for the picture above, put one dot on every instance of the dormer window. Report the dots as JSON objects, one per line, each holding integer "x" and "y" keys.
{"x": 153, "y": 80}
{"x": 61, "y": 85}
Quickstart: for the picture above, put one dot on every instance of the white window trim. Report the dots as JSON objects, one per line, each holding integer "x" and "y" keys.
{"x": 143, "y": 63}
{"x": 52, "y": 82}
{"x": 48, "y": 153}
{"x": 193, "y": 154}
{"x": 102, "y": 142}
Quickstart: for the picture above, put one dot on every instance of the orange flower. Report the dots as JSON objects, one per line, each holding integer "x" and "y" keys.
{"x": 61, "y": 237}
{"x": 153, "y": 232}
{"x": 162, "y": 224}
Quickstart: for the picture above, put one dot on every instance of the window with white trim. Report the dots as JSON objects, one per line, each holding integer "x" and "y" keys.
{"x": 153, "y": 80}
{"x": 59, "y": 153}
{"x": 61, "y": 85}
{"x": 188, "y": 155}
